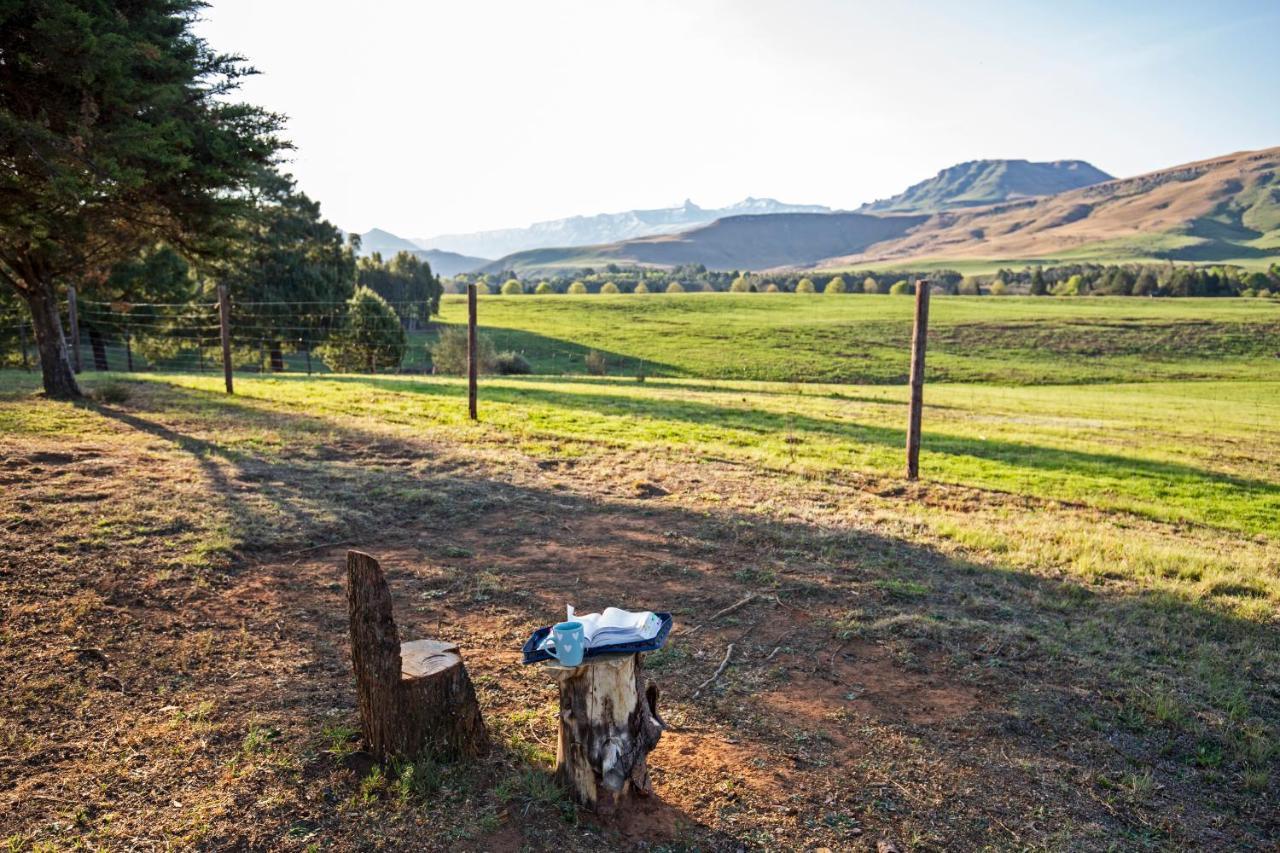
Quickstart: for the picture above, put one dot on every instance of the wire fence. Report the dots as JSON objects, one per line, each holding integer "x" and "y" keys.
{"x": 265, "y": 337}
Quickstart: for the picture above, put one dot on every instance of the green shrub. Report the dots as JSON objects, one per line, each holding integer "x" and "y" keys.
{"x": 804, "y": 285}
{"x": 596, "y": 364}
{"x": 899, "y": 288}
{"x": 870, "y": 285}
{"x": 969, "y": 286}
{"x": 512, "y": 287}
{"x": 577, "y": 287}
{"x": 543, "y": 288}
{"x": 675, "y": 287}
{"x": 836, "y": 285}
{"x": 741, "y": 284}
{"x": 609, "y": 287}
{"x": 1073, "y": 286}
{"x": 113, "y": 393}
{"x": 511, "y": 364}
{"x": 449, "y": 352}
{"x": 641, "y": 288}
{"x": 369, "y": 336}
{"x": 998, "y": 288}
{"x": 771, "y": 288}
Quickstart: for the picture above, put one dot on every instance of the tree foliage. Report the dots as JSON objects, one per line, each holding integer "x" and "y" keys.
{"x": 117, "y": 132}
{"x": 406, "y": 281}
{"x": 369, "y": 337}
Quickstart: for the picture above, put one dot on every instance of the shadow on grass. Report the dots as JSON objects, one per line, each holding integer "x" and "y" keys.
{"x": 1070, "y": 666}
{"x": 1160, "y": 480}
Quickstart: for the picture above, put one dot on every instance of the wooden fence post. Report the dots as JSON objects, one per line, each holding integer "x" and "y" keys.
{"x": 471, "y": 351}
{"x": 74, "y": 319}
{"x": 224, "y": 320}
{"x": 919, "y": 336}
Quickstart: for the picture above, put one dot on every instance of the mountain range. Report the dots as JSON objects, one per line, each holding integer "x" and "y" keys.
{"x": 442, "y": 263}
{"x": 1226, "y": 209}
{"x": 603, "y": 227}
{"x": 980, "y": 213}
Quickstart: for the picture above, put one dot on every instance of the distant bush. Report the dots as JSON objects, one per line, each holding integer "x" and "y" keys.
{"x": 596, "y": 364}
{"x": 1073, "y": 286}
{"x": 369, "y": 336}
{"x": 899, "y": 288}
{"x": 577, "y": 287}
{"x": 609, "y": 287}
{"x": 741, "y": 284}
{"x": 870, "y": 285}
{"x": 449, "y": 352}
{"x": 998, "y": 288}
{"x": 804, "y": 285}
{"x": 771, "y": 288}
{"x": 1266, "y": 294}
{"x": 675, "y": 287}
{"x": 969, "y": 287}
{"x": 543, "y": 288}
{"x": 511, "y": 364}
{"x": 511, "y": 287}
{"x": 641, "y": 288}
{"x": 113, "y": 393}
{"x": 836, "y": 285}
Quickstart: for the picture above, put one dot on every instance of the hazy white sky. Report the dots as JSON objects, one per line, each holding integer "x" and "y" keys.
{"x": 430, "y": 117}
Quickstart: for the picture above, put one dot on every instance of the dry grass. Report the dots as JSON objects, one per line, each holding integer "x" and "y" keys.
{"x": 954, "y": 668}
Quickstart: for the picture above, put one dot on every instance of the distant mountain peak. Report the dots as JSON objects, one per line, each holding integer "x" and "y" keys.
{"x": 605, "y": 227}
{"x": 975, "y": 183}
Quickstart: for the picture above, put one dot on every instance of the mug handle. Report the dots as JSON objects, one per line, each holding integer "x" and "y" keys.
{"x": 545, "y": 647}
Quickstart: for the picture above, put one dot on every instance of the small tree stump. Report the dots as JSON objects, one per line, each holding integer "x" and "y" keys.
{"x": 609, "y": 723}
{"x": 414, "y": 698}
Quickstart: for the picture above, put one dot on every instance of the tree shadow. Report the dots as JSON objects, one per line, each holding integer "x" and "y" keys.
{"x": 1167, "y": 480}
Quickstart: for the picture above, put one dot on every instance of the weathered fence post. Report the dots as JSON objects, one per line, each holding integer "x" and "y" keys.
{"x": 224, "y": 320}
{"x": 471, "y": 351}
{"x": 416, "y": 697}
{"x": 73, "y": 319}
{"x": 919, "y": 336}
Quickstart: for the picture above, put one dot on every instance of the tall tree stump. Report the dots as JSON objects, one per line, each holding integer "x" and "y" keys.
{"x": 415, "y": 698}
{"x": 609, "y": 723}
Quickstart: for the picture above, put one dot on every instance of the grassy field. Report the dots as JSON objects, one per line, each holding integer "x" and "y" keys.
{"x": 1066, "y": 637}
{"x": 865, "y": 339}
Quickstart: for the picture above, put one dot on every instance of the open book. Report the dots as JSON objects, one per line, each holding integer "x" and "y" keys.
{"x": 615, "y": 626}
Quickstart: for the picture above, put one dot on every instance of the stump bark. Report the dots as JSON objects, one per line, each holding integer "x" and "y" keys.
{"x": 415, "y": 698}
{"x": 609, "y": 723}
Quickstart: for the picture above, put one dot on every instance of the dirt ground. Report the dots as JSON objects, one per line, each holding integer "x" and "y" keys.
{"x": 153, "y": 703}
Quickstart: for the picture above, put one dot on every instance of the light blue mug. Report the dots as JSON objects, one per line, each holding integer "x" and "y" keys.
{"x": 569, "y": 643}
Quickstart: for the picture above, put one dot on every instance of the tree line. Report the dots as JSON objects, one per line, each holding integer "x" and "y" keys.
{"x": 1157, "y": 280}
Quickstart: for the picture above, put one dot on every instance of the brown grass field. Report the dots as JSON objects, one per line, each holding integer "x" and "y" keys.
{"x": 176, "y": 673}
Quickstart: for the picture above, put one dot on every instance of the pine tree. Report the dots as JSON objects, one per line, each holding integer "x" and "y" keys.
{"x": 116, "y": 133}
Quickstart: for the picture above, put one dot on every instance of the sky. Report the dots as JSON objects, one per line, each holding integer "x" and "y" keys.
{"x": 426, "y": 117}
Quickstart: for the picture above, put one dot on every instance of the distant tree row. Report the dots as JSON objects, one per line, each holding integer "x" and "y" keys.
{"x": 1063, "y": 280}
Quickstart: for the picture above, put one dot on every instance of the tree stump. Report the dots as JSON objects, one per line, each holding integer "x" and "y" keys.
{"x": 609, "y": 723}
{"x": 414, "y": 698}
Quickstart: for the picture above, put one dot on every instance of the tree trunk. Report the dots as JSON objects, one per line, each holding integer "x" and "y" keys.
{"x": 414, "y": 698}
{"x": 128, "y": 352}
{"x": 277, "y": 357}
{"x": 609, "y": 723}
{"x": 99, "y": 347}
{"x": 55, "y": 360}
